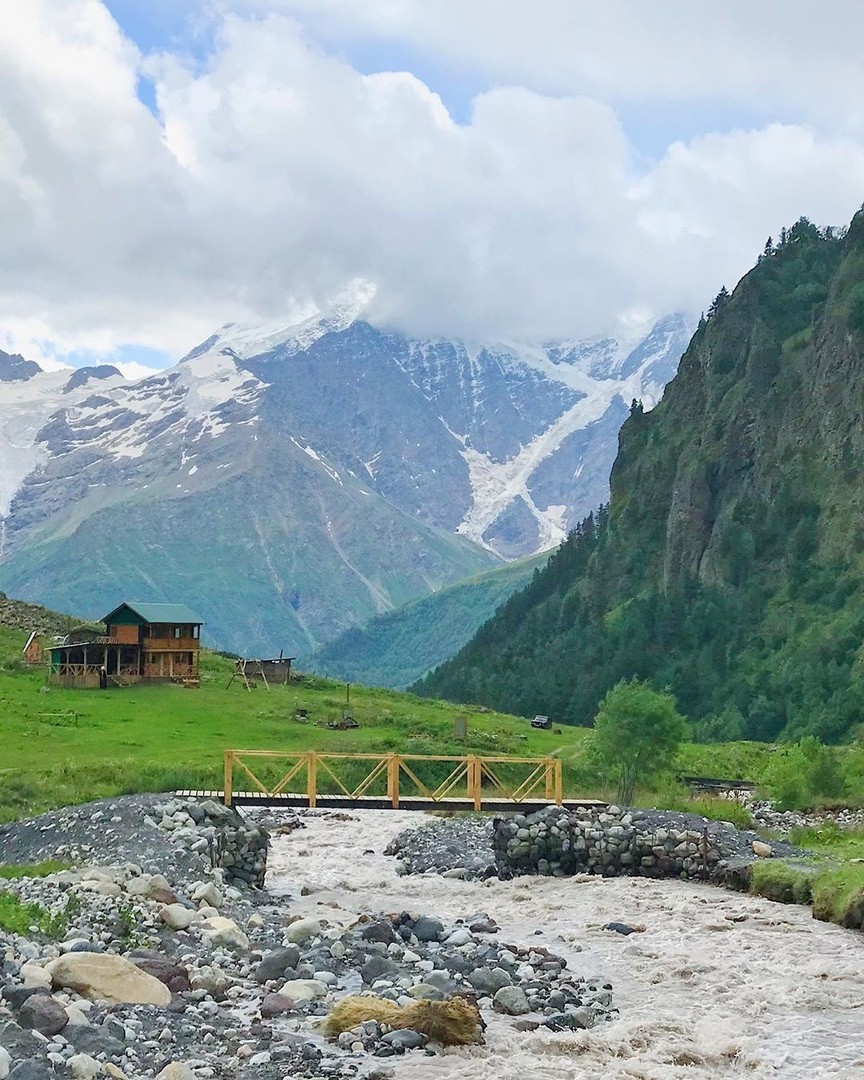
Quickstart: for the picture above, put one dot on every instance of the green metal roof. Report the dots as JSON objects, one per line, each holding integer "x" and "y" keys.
{"x": 158, "y": 613}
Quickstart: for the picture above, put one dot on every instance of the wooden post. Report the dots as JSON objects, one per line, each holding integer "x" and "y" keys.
{"x": 475, "y": 782}
{"x": 312, "y": 777}
{"x": 550, "y": 765}
{"x": 228, "y": 793}
{"x": 393, "y": 769}
{"x": 559, "y": 781}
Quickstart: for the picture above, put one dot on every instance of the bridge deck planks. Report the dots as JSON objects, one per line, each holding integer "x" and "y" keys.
{"x": 380, "y": 802}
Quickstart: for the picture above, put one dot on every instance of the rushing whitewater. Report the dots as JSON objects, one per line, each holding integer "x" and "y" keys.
{"x": 717, "y": 985}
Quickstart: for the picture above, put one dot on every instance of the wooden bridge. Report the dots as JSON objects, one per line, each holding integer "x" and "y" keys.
{"x": 391, "y": 781}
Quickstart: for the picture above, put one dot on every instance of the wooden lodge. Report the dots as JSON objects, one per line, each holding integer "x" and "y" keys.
{"x": 141, "y": 643}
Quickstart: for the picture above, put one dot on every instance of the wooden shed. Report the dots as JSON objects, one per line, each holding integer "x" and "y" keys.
{"x": 32, "y": 651}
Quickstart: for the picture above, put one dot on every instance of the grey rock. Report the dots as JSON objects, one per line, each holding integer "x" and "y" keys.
{"x": 375, "y": 968}
{"x": 31, "y": 1070}
{"x": 273, "y": 965}
{"x": 427, "y": 929}
{"x": 93, "y": 1041}
{"x": 380, "y": 931}
{"x": 43, "y": 1014}
{"x": 18, "y": 1041}
{"x": 511, "y": 1000}
{"x": 408, "y": 1038}
{"x": 489, "y": 980}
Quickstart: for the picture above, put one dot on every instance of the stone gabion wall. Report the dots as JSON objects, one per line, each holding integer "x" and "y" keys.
{"x": 559, "y": 841}
{"x": 239, "y": 847}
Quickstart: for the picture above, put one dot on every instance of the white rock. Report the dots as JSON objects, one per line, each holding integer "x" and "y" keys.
{"x": 104, "y": 888}
{"x": 763, "y": 851}
{"x": 460, "y": 936}
{"x": 107, "y": 977}
{"x": 138, "y": 886}
{"x": 254, "y": 922}
{"x": 35, "y": 976}
{"x": 210, "y": 978}
{"x": 77, "y": 1016}
{"x": 5, "y": 1063}
{"x": 158, "y": 882}
{"x": 221, "y": 931}
{"x": 337, "y": 949}
{"x": 207, "y": 912}
{"x": 83, "y": 1067}
{"x": 208, "y": 894}
{"x": 177, "y": 916}
{"x": 411, "y": 957}
{"x": 303, "y": 989}
{"x": 301, "y": 931}
{"x": 326, "y": 977}
{"x": 177, "y": 1070}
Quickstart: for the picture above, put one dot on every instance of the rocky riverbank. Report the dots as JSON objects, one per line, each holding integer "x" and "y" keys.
{"x": 611, "y": 841}
{"x": 148, "y": 958}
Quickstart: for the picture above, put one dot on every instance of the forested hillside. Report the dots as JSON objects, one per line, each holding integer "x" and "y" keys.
{"x": 729, "y": 565}
{"x": 395, "y": 649}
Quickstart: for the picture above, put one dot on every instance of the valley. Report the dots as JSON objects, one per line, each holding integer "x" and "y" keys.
{"x": 344, "y": 469}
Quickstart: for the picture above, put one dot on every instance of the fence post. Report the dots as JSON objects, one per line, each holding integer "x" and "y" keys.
{"x": 228, "y": 792}
{"x": 393, "y": 767}
{"x": 475, "y": 782}
{"x": 559, "y": 781}
{"x": 550, "y": 766}
{"x": 312, "y": 777}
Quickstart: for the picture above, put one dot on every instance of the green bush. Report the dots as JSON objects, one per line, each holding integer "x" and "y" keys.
{"x": 803, "y": 774}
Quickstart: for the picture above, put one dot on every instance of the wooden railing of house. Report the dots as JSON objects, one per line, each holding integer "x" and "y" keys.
{"x": 171, "y": 644}
{"x": 472, "y": 779}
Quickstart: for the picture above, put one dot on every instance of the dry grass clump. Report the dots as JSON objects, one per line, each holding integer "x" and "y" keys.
{"x": 454, "y": 1022}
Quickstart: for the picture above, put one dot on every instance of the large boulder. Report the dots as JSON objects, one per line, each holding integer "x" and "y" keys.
{"x": 106, "y": 977}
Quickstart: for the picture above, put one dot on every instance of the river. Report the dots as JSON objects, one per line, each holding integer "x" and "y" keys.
{"x": 718, "y": 985}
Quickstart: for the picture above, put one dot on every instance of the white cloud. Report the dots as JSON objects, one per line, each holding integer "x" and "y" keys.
{"x": 275, "y": 173}
{"x": 773, "y": 55}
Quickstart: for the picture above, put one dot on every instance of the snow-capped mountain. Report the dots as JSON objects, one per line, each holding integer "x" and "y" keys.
{"x": 291, "y": 480}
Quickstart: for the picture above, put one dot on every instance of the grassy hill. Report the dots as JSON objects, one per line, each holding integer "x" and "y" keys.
{"x": 65, "y": 746}
{"x": 398, "y": 648}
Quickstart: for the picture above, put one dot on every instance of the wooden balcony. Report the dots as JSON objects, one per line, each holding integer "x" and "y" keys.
{"x": 172, "y": 644}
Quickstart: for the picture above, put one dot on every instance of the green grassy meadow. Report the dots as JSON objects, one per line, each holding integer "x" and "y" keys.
{"x": 63, "y": 746}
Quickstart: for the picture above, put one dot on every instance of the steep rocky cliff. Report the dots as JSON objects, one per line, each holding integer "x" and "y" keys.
{"x": 729, "y": 563}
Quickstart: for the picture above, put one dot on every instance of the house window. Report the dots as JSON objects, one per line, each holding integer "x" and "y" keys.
{"x": 196, "y": 630}
{"x": 178, "y": 632}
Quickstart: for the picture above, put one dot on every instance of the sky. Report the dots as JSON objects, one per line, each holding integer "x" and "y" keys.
{"x": 498, "y": 171}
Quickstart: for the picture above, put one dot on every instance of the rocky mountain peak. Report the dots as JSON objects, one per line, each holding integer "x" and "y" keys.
{"x": 14, "y": 368}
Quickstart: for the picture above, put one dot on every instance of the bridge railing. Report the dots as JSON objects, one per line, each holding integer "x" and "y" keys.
{"x": 396, "y": 777}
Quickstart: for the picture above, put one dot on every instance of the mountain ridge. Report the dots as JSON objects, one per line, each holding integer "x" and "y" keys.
{"x": 311, "y": 475}
{"x": 728, "y": 566}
